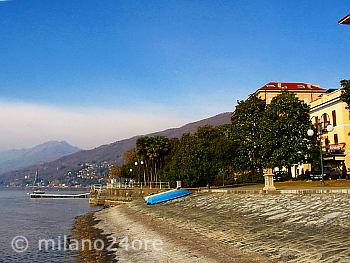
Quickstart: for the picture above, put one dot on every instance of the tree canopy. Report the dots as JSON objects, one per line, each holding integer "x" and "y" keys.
{"x": 247, "y": 131}
{"x": 285, "y": 140}
{"x": 198, "y": 158}
{"x": 273, "y": 135}
{"x": 152, "y": 152}
{"x": 346, "y": 88}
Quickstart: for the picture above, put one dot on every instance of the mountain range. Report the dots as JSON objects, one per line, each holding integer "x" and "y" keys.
{"x": 42, "y": 153}
{"x": 110, "y": 153}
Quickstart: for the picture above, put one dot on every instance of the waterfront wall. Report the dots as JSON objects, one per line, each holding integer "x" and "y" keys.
{"x": 114, "y": 196}
{"x": 278, "y": 191}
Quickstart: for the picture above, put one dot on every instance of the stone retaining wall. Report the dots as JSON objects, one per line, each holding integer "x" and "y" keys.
{"x": 112, "y": 197}
{"x": 278, "y": 191}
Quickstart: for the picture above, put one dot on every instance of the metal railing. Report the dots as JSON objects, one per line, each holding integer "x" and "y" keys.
{"x": 150, "y": 185}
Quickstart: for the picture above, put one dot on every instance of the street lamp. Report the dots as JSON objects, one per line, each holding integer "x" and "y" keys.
{"x": 139, "y": 173}
{"x": 320, "y": 131}
{"x": 144, "y": 171}
{"x": 130, "y": 173}
{"x": 136, "y": 163}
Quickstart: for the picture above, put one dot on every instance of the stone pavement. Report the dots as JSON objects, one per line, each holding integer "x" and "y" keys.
{"x": 283, "y": 227}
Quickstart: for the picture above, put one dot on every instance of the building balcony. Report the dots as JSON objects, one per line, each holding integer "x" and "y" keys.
{"x": 336, "y": 148}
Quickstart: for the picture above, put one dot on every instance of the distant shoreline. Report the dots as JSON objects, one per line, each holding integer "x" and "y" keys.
{"x": 45, "y": 188}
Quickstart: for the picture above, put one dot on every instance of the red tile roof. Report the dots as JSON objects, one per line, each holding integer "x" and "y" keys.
{"x": 290, "y": 86}
{"x": 345, "y": 20}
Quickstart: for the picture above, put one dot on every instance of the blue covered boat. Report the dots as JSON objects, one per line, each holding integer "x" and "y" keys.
{"x": 166, "y": 196}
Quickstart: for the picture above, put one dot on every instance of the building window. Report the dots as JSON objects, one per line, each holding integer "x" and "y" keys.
{"x": 335, "y": 138}
{"x": 325, "y": 122}
{"x": 326, "y": 140}
{"x": 334, "y": 117}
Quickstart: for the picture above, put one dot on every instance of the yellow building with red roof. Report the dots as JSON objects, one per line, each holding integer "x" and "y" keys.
{"x": 327, "y": 107}
{"x": 330, "y": 109}
{"x": 306, "y": 92}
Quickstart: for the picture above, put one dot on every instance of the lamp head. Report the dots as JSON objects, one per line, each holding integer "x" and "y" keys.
{"x": 310, "y": 132}
{"x": 330, "y": 128}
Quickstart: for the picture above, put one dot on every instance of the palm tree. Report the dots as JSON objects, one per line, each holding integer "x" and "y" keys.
{"x": 153, "y": 150}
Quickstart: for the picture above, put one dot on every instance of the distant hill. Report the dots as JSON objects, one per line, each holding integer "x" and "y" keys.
{"x": 49, "y": 151}
{"x": 112, "y": 153}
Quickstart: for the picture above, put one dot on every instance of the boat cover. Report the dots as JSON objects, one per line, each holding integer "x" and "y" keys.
{"x": 167, "y": 196}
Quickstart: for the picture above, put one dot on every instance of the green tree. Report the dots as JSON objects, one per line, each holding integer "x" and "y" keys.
{"x": 130, "y": 157}
{"x": 198, "y": 158}
{"x": 157, "y": 150}
{"x": 247, "y": 131}
{"x": 115, "y": 172}
{"x": 346, "y": 91}
{"x": 152, "y": 151}
{"x": 285, "y": 140}
{"x": 142, "y": 146}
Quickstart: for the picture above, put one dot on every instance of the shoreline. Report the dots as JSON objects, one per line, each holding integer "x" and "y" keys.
{"x": 84, "y": 228}
{"x": 229, "y": 228}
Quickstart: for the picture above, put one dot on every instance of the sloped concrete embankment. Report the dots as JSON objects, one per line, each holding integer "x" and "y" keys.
{"x": 236, "y": 228}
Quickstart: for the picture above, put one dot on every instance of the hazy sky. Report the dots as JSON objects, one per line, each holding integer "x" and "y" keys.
{"x": 95, "y": 71}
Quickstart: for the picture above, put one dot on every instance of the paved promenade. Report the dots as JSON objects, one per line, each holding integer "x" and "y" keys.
{"x": 280, "y": 228}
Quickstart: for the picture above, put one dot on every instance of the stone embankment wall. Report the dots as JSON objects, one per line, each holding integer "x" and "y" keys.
{"x": 114, "y": 196}
{"x": 300, "y": 191}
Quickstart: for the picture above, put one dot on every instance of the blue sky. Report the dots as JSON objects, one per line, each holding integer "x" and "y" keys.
{"x": 170, "y": 61}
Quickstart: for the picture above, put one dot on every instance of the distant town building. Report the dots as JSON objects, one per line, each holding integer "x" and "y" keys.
{"x": 306, "y": 92}
{"x": 345, "y": 20}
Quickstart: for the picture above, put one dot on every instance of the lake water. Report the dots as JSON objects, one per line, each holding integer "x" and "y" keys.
{"x": 37, "y": 219}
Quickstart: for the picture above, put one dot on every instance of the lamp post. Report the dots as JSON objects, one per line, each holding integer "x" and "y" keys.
{"x": 222, "y": 172}
{"x": 144, "y": 171}
{"x": 138, "y": 174}
{"x": 141, "y": 163}
{"x": 320, "y": 132}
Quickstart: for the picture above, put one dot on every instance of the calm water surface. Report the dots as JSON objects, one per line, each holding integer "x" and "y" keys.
{"x": 37, "y": 219}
